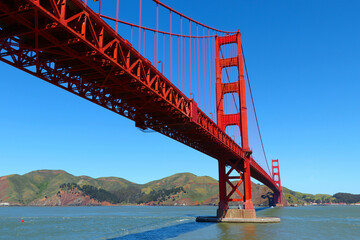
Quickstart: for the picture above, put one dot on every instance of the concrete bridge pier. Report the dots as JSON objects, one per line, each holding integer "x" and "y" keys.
{"x": 233, "y": 215}
{"x": 236, "y": 213}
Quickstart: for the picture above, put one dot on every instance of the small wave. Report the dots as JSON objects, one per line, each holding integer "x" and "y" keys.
{"x": 182, "y": 220}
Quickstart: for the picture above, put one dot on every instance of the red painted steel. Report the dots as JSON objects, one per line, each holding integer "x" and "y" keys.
{"x": 117, "y": 14}
{"x": 171, "y": 52}
{"x": 155, "y": 30}
{"x": 278, "y": 198}
{"x": 239, "y": 119}
{"x": 140, "y": 14}
{"x": 67, "y": 44}
{"x": 190, "y": 19}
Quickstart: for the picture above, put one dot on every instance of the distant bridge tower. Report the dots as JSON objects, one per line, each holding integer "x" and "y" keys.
{"x": 236, "y": 119}
{"x": 278, "y": 198}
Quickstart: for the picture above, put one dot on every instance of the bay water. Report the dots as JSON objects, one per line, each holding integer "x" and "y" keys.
{"x": 144, "y": 222}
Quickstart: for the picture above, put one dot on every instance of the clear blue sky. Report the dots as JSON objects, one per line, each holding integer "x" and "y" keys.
{"x": 303, "y": 59}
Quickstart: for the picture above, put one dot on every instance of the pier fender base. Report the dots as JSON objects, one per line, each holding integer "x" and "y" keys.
{"x": 236, "y": 213}
{"x": 238, "y": 220}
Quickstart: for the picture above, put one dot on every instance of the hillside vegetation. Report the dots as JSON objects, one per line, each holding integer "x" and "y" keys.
{"x": 54, "y": 188}
{"x": 59, "y": 188}
{"x": 299, "y": 198}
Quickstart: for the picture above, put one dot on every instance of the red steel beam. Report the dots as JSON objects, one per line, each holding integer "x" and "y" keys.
{"x": 69, "y": 38}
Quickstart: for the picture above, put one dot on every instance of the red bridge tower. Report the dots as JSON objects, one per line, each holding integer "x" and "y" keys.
{"x": 238, "y": 119}
{"x": 278, "y": 200}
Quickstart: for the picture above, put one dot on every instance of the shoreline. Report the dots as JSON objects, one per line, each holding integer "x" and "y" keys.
{"x": 144, "y": 205}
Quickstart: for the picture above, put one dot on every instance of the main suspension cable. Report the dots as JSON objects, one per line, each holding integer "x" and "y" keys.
{"x": 252, "y": 101}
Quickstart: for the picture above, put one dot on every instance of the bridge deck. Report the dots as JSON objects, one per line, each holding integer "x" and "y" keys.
{"x": 67, "y": 44}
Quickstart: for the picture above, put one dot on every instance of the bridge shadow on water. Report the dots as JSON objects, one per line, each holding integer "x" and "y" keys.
{"x": 261, "y": 208}
{"x": 165, "y": 232}
{"x": 170, "y": 231}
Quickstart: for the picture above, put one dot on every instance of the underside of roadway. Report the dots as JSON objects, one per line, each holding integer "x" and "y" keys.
{"x": 50, "y": 42}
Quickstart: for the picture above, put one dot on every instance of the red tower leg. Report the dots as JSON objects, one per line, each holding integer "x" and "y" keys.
{"x": 238, "y": 119}
{"x": 278, "y": 199}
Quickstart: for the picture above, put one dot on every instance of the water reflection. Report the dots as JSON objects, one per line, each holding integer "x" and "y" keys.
{"x": 249, "y": 231}
{"x": 237, "y": 231}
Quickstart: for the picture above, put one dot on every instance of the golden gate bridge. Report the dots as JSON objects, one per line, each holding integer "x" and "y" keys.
{"x": 168, "y": 73}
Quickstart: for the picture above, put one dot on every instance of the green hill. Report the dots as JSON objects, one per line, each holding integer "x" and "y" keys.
{"x": 57, "y": 187}
{"x": 24, "y": 189}
{"x": 293, "y": 197}
{"x": 299, "y": 198}
{"x": 196, "y": 190}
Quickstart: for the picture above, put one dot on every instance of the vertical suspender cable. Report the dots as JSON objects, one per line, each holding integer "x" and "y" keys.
{"x": 154, "y": 62}
{"x": 171, "y": 60}
{"x": 131, "y": 35}
{"x": 99, "y": 8}
{"x": 198, "y": 62}
{"x": 181, "y": 58}
{"x": 117, "y": 14}
{"x": 140, "y": 5}
{"x": 204, "y": 76}
{"x": 157, "y": 35}
{"x": 190, "y": 59}
{"x": 178, "y": 64}
{"x": 163, "y": 60}
{"x": 144, "y": 45}
{"x": 210, "y": 76}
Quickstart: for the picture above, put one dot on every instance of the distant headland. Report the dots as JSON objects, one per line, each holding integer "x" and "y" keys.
{"x": 59, "y": 188}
